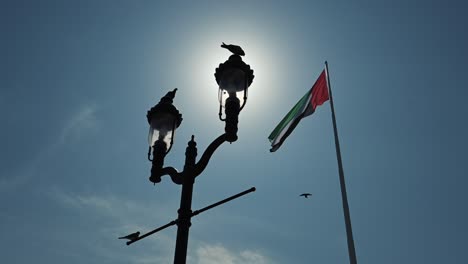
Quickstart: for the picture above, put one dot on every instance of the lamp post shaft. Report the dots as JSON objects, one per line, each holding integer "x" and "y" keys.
{"x": 183, "y": 223}
{"x": 185, "y": 210}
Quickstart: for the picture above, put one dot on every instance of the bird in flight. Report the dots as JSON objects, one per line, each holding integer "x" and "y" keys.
{"x": 306, "y": 195}
{"x": 237, "y": 50}
{"x": 132, "y": 236}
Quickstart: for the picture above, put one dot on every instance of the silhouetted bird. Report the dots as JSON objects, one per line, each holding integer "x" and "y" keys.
{"x": 306, "y": 195}
{"x": 171, "y": 94}
{"x": 237, "y": 50}
{"x": 132, "y": 236}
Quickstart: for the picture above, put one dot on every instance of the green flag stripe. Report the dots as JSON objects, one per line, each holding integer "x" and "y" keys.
{"x": 292, "y": 114}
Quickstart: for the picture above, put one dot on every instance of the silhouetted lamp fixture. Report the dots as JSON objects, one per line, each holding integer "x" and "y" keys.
{"x": 234, "y": 78}
{"x": 163, "y": 119}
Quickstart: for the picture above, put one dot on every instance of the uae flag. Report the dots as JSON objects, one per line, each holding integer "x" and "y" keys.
{"x": 316, "y": 96}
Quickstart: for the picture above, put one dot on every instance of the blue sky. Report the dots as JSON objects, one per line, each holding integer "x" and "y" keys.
{"x": 77, "y": 78}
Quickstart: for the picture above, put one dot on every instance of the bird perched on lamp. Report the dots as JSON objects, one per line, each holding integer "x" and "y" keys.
{"x": 237, "y": 50}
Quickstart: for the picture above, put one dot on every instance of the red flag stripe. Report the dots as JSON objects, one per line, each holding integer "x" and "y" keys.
{"x": 319, "y": 91}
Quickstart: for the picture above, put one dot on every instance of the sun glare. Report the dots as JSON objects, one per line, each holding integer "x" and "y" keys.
{"x": 199, "y": 53}
{"x": 208, "y": 57}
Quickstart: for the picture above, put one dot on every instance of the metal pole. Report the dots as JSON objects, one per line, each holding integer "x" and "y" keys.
{"x": 344, "y": 197}
{"x": 183, "y": 222}
{"x": 185, "y": 211}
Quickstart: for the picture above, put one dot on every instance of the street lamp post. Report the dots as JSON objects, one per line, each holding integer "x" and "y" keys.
{"x": 233, "y": 77}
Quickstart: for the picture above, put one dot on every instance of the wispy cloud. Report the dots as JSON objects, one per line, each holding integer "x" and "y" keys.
{"x": 111, "y": 206}
{"x": 126, "y": 218}
{"x": 122, "y": 216}
{"x": 216, "y": 254}
{"x": 83, "y": 120}
{"x": 79, "y": 123}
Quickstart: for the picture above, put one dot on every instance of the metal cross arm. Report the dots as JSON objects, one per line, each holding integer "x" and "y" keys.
{"x": 194, "y": 213}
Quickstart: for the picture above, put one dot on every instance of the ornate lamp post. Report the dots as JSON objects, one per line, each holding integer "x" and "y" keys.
{"x": 234, "y": 78}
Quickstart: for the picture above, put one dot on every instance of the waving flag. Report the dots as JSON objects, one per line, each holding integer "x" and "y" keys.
{"x": 316, "y": 96}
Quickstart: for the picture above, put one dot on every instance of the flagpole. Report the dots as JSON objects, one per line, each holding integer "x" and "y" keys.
{"x": 344, "y": 197}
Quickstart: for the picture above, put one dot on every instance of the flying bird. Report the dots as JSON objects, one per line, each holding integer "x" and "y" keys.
{"x": 237, "y": 50}
{"x": 306, "y": 195}
{"x": 132, "y": 236}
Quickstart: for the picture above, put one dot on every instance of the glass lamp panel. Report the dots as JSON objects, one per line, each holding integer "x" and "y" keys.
{"x": 232, "y": 83}
{"x": 161, "y": 129}
{"x": 154, "y": 135}
{"x": 223, "y": 95}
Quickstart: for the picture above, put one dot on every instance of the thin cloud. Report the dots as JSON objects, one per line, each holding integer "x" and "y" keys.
{"x": 217, "y": 254}
{"x": 126, "y": 214}
{"x": 83, "y": 120}
{"x": 121, "y": 217}
{"x": 79, "y": 123}
{"x": 108, "y": 205}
